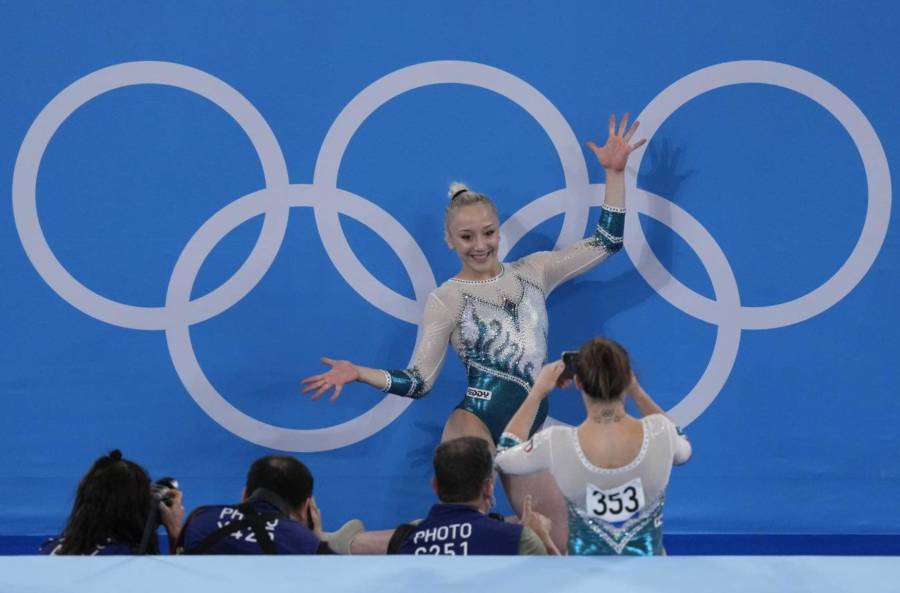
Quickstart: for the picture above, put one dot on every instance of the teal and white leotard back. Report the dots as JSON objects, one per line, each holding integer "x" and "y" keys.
{"x": 612, "y": 511}
{"x": 499, "y": 327}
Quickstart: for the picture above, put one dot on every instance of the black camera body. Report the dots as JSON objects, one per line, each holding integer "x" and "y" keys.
{"x": 570, "y": 359}
{"x": 162, "y": 490}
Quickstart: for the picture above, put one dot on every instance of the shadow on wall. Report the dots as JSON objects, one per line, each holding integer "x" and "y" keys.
{"x": 664, "y": 178}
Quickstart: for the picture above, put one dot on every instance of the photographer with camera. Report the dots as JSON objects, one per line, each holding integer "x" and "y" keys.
{"x": 461, "y": 523}
{"x": 116, "y": 511}
{"x": 277, "y": 515}
{"x": 613, "y": 469}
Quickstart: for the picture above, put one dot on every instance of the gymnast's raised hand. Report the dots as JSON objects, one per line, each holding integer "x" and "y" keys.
{"x": 613, "y": 155}
{"x": 341, "y": 373}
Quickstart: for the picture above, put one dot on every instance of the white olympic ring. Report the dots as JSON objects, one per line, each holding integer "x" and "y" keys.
{"x": 179, "y": 338}
{"x": 878, "y": 180}
{"x": 328, "y": 201}
{"x": 80, "y": 92}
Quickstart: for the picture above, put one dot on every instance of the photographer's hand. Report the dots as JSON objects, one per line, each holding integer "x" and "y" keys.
{"x": 315, "y": 518}
{"x": 539, "y": 524}
{"x": 172, "y": 517}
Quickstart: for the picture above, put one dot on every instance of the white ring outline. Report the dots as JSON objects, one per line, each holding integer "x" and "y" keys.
{"x": 878, "y": 182}
{"x": 366, "y": 102}
{"x": 102, "y": 81}
{"x": 185, "y": 360}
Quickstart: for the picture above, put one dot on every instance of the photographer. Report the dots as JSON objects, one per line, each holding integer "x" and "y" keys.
{"x": 459, "y": 524}
{"x": 613, "y": 469}
{"x": 114, "y": 509}
{"x": 277, "y": 515}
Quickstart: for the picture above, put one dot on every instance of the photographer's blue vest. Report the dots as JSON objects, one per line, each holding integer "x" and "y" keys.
{"x": 254, "y": 527}
{"x": 461, "y": 530}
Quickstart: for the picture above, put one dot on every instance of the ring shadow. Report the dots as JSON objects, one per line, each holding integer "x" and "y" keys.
{"x": 664, "y": 177}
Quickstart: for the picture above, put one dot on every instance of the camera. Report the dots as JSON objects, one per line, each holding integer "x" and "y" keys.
{"x": 162, "y": 490}
{"x": 570, "y": 359}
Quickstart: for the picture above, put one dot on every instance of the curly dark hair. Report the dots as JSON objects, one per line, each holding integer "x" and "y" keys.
{"x": 112, "y": 505}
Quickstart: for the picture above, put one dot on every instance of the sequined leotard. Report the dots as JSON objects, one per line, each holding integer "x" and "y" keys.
{"x": 611, "y": 510}
{"x": 498, "y": 327}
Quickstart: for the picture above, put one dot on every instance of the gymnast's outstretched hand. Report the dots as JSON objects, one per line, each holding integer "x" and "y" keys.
{"x": 341, "y": 373}
{"x": 613, "y": 156}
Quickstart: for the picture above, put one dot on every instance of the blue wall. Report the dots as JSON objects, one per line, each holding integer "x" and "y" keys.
{"x": 753, "y": 195}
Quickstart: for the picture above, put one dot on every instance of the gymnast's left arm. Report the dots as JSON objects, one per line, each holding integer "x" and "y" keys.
{"x": 559, "y": 266}
{"x": 428, "y": 359}
{"x": 414, "y": 381}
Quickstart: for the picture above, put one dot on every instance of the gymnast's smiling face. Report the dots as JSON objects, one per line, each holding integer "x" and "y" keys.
{"x": 473, "y": 232}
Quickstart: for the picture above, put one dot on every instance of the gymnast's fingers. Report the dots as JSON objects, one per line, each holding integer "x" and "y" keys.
{"x": 311, "y": 379}
{"x": 638, "y": 144}
{"x": 631, "y": 132}
{"x": 623, "y": 125}
{"x": 321, "y": 391}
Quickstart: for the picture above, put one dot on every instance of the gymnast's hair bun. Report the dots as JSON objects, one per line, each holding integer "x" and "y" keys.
{"x": 114, "y": 455}
{"x": 456, "y": 188}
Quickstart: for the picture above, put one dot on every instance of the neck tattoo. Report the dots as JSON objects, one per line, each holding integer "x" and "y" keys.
{"x": 607, "y": 416}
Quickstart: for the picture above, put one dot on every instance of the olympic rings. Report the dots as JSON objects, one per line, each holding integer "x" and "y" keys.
{"x": 328, "y": 202}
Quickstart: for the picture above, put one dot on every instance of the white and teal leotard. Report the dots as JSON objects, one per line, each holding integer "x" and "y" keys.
{"x": 499, "y": 327}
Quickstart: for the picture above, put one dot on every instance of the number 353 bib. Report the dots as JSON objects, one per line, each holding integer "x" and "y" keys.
{"x": 616, "y": 504}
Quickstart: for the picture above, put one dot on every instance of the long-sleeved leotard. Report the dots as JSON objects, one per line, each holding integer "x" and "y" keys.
{"x": 611, "y": 510}
{"x": 499, "y": 326}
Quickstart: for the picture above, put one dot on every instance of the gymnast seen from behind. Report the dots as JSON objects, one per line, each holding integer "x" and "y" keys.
{"x": 613, "y": 469}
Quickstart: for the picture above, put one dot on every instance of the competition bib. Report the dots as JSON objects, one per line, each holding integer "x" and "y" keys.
{"x": 616, "y": 504}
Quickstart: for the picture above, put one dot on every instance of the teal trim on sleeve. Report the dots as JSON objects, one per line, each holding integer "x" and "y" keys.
{"x": 610, "y": 229}
{"x": 406, "y": 383}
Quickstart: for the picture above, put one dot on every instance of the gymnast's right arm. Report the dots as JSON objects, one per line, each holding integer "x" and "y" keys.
{"x": 415, "y": 381}
{"x": 681, "y": 446}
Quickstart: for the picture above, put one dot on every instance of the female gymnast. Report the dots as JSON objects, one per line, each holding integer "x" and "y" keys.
{"x": 495, "y": 316}
{"x": 612, "y": 469}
